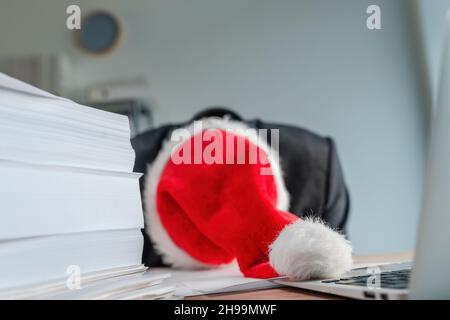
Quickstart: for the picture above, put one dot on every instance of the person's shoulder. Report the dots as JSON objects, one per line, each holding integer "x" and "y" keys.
{"x": 152, "y": 139}
{"x": 291, "y": 134}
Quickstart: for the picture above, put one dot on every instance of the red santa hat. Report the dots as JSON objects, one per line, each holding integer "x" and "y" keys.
{"x": 208, "y": 203}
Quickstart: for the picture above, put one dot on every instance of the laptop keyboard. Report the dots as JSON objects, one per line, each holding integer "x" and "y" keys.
{"x": 398, "y": 279}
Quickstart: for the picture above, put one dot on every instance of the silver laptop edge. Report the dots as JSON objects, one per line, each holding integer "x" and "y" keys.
{"x": 431, "y": 273}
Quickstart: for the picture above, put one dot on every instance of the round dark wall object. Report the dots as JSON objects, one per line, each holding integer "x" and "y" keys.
{"x": 100, "y": 32}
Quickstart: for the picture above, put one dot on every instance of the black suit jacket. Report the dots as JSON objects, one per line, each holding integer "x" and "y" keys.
{"x": 312, "y": 172}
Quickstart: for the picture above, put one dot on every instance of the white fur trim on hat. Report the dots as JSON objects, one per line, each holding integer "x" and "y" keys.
{"x": 161, "y": 240}
{"x": 308, "y": 249}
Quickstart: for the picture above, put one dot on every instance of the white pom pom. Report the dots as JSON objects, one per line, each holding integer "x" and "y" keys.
{"x": 308, "y": 249}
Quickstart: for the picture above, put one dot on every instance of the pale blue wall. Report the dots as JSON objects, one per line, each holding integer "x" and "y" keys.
{"x": 310, "y": 63}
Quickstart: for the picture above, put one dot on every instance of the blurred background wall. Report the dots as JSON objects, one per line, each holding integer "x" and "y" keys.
{"x": 310, "y": 63}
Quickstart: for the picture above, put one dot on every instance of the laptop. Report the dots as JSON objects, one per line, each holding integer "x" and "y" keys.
{"x": 428, "y": 276}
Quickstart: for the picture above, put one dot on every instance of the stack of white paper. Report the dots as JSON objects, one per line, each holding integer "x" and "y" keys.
{"x": 126, "y": 283}
{"x": 68, "y": 197}
{"x": 40, "y": 128}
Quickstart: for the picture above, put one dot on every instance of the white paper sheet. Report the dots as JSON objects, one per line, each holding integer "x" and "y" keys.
{"x": 226, "y": 279}
{"x": 10, "y": 83}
